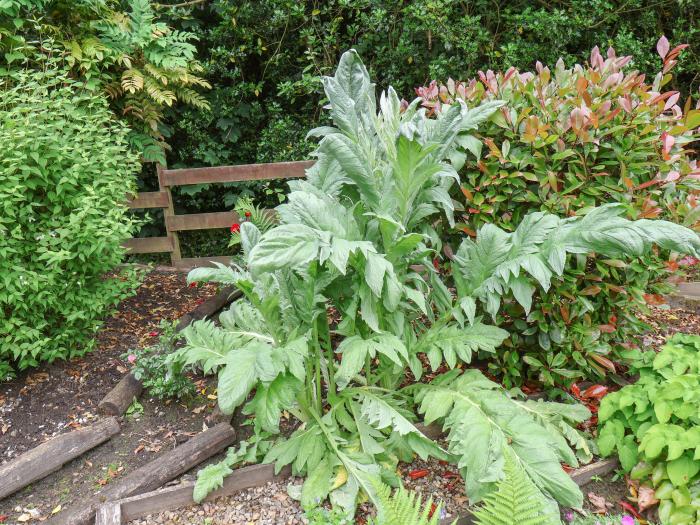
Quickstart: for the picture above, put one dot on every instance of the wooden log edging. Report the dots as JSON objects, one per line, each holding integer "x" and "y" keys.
{"x": 118, "y": 400}
{"x": 155, "y": 474}
{"x": 121, "y": 396}
{"x": 172, "y": 498}
{"x": 51, "y": 455}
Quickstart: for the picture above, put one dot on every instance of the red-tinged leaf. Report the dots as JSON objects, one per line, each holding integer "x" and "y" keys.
{"x": 606, "y": 328}
{"x": 468, "y": 194}
{"x": 469, "y": 231}
{"x": 595, "y": 392}
{"x": 575, "y": 390}
{"x": 629, "y": 508}
{"x": 591, "y": 290}
{"x": 449, "y": 475}
{"x": 603, "y": 361}
{"x": 433, "y": 508}
{"x": 567, "y": 468}
{"x": 564, "y": 310}
{"x": 676, "y": 51}
{"x": 3, "y": 518}
{"x": 416, "y": 474}
{"x": 672, "y": 100}
{"x": 647, "y": 184}
{"x": 671, "y": 266}
{"x": 654, "y": 299}
{"x": 672, "y": 175}
{"x": 662, "y": 46}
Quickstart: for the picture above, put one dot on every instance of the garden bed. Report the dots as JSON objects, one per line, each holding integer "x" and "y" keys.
{"x": 63, "y": 396}
{"x": 60, "y": 397}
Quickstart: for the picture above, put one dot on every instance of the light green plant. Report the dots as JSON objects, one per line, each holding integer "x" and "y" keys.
{"x": 405, "y": 507}
{"x": 64, "y": 171}
{"x": 342, "y": 300}
{"x": 516, "y": 501}
{"x": 652, "y": 425}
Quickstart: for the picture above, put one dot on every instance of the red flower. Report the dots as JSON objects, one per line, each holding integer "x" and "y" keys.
{"x": 235, "y": 227}
{"x": 193, "y": 285}
{"x": 247, "y": 214}
{"x": 153, "y": 334}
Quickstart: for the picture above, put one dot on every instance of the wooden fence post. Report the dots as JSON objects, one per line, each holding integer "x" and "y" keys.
{"x": 168, "y": 213}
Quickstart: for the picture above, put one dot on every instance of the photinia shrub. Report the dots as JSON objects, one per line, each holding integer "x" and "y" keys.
{"x": 64, "y": 173}
{"x": 568, "y": 140}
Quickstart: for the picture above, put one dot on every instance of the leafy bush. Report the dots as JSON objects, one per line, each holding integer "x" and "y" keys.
{"x": 142, "y": 64}
{"x": 337, "y": 310}
{"x": 162, "y": 376}
{"x": 64, "y": 172}
{"x": 653, "y": 427}
{"x": 567, "y": 140}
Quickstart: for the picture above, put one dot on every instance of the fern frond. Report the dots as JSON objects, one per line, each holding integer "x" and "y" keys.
{"x": 157, "y": 93}
{"x": 516, "y": 501}
{"x": 132, "y": 80}
{"x": 262, "y": 218}
{"x": 404, "y": 507}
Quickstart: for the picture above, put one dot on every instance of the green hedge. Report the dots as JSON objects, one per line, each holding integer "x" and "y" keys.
{"x": 64, "y": 171}
{"x": 263, "y": 58}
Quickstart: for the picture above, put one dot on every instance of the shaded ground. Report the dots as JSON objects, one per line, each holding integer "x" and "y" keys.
{"x": 60, "y": 397}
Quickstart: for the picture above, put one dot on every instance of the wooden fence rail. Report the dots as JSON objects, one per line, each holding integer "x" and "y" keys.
{"x": 168, "y": 179}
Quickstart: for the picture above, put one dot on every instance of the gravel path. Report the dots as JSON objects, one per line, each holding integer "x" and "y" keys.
{"x": 267, "y": 505}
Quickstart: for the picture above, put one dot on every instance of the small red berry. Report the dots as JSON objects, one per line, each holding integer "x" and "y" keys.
{"x": 193, "y": 285}
{"x": 247, "y": 214}
{"x": 235, "y": 227}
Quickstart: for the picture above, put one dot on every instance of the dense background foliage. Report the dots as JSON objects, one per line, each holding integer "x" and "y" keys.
{"x": 263, "y": 58}
{"x": 64, "y": 171}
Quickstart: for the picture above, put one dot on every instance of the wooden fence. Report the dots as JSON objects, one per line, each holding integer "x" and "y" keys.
{"x": 168, "y": 179}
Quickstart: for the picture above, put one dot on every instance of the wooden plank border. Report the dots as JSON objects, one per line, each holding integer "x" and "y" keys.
{"x": 239, "y": 173}
{"x": 171, "y": 498}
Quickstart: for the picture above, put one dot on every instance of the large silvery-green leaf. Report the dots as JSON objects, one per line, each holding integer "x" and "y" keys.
{"x": 351, "y": 95}
{"x": 481, "y": 422}
{"x": 499, "y": 262}
{"x": 288, "y": 245}
{"x": 453, "y": 343}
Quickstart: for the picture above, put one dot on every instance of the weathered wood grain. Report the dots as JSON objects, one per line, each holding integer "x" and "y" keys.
{"x": 243, "y": 172}
{"x": 171, "y": 498}
{"x": 51, "y": 455}
{"x": 117, "y": 400}
{"x": 109, "y": 514}
{"x": 148, "y": 244}
{"x": 155, "y": 474}
{"x": 149, "y": 199}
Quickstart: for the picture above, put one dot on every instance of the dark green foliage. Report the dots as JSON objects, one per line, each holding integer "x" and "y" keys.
{"x": 263, "y": 58}
{"x": 577, "y": 136}
{"x": 64, "y": 171}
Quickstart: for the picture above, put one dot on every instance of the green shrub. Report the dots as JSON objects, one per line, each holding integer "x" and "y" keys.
{"x": 570, "y": 139}
{"x": 162, "y": 376}
{"x": 141, "y": 63}
{"x": 65, "y": 170}
{"x": 652, "y": 426}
